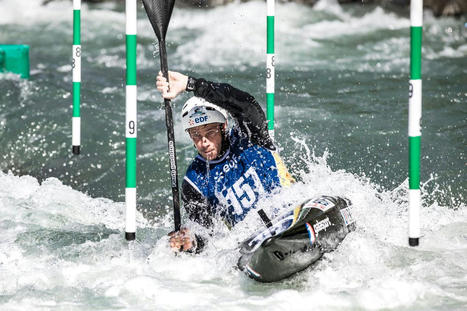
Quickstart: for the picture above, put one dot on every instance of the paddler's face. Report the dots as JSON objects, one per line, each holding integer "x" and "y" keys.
{"x": 208, "y": 139}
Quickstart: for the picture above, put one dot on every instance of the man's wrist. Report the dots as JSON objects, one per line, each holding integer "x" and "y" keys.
{"x": 191, "y": 84}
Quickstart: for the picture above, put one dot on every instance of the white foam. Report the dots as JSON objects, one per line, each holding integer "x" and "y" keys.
{"x": 52, "y": 198}
{"x": 148, "y": 273}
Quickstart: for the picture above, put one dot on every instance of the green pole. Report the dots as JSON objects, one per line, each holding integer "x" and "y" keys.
{"x": 76, "y": 121}
{"x": 270, "y": 78}
{"x": 415, "y": 115}
{"x": 130, "y": 120}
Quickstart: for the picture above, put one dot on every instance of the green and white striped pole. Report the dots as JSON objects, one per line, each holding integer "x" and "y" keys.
{"x": 270, "y": 67}
{"x": 76, "y": 121}
{"x": 415, "y": 115}
{"x": 130, "y": 120}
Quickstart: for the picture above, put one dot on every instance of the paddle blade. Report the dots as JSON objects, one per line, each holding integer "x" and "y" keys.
{"x": 159, "y": 12}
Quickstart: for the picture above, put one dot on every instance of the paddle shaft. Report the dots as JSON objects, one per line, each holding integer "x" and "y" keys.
{"x": 170, "y": 140}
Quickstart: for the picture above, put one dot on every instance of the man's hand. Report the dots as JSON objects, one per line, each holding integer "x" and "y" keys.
{"x": 177, "y": 85}
{"x": 182, "y": 240}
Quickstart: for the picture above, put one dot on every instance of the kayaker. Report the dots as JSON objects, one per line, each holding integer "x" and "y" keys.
{"x": 235, "y": 166}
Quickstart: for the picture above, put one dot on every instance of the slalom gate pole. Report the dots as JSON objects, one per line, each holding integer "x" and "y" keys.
{"x": 76, "y": 65}
{"x": 130, "y": 119}
{"x": 415, "y": 115}
{"x": 270, "y": 67}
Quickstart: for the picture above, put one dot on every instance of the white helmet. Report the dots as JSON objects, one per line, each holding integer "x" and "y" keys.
{"x": 197, "y": 111}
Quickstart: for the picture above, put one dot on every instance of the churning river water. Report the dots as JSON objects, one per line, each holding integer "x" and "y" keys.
{"x": 341, "y": 124}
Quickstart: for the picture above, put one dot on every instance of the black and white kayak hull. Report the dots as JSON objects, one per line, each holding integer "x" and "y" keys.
{"x": 296, "y": 239}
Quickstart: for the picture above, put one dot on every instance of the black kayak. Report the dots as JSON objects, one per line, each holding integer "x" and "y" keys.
{"x": 296, "y": 239}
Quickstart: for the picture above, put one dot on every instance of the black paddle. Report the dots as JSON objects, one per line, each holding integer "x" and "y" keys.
{"x": 159, "y": 12}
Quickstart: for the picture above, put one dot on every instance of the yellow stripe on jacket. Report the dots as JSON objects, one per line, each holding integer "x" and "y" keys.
{"x": 284, "y": 176}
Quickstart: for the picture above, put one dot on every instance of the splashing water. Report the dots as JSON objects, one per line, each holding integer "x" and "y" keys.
{"x": 63, "y": 248}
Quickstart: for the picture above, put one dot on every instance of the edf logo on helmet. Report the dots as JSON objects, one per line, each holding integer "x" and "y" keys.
{"x": 201, "y": 119}
{"x": 199, "y": 115}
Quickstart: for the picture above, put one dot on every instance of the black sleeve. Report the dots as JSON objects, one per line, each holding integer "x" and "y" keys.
{"x": 196, "y": 206}
{"x": 242, "y": 106}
